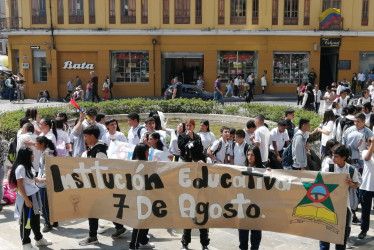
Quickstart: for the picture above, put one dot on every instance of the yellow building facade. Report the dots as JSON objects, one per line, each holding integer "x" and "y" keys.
{"x": 141, "y": 44}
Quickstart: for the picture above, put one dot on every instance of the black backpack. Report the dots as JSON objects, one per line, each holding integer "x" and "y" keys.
{"x": 12, "y": 152}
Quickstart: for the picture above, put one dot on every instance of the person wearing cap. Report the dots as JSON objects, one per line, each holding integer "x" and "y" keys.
{"x": 278, "y": 140}
{"x": 289, "y": 115}
{"x": 329, "y": 97}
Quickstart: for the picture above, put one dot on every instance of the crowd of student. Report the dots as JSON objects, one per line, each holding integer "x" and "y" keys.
{"x": 345, "y": 148}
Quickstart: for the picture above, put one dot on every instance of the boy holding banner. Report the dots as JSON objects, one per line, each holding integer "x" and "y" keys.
{"x": 96, "y": 149}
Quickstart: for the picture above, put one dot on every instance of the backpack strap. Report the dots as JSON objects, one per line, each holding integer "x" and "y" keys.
{"x": 139, "y": 130}
{"x": 351, "y": 171}
{"x": 219, "y": 147}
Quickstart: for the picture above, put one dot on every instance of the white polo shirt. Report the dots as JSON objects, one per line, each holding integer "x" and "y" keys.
{"x": 262, "y": 136}
{"x": 133, "y": 137}
{"x": 239, "y": 154}
{"x": 279, "y": 138}
{"x": 224, "y": 150}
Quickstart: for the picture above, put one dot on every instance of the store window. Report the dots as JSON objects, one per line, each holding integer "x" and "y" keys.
{"x": 76, "y": 12}
{"x": 290, "y": 67}
{"x": 92, "y": 17}
{"x": 275, "y": 7}
{"x": 291, "y": 12}
{"x": 326, "y": 4}
{"x": 39, "y": 62}
{"x": 366, "y": 61}
{"x": 130, "y": 66}
{"x": 221, "y": 11}
{"x": 365, "y": 13}
{"x": 38, "y": 12}
{"x": 232, "y": 63}
{"x": 238, "y": 12}
{"x": 199, "y": 12}
{"x": 128, "y": 11}
{"x": 182, "y": 12}
{"x": 144, "y": 11}
{"x": 60, "y": 11}
{"x": 112, "y": 11}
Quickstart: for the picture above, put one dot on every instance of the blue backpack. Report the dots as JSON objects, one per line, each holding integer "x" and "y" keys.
{"x": 287, "y": 159}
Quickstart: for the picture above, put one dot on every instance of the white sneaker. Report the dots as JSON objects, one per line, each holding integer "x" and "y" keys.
{"x": 146, "y": 246}
{"x": 43, "y": 242}
{"x": 349, "y": 245}
{"x": 29, "y": 247}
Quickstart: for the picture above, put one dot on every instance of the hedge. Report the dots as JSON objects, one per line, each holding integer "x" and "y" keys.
{"x": 9, "y": 121}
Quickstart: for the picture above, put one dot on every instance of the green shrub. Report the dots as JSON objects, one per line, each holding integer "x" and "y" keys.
{"x": 9, "y": 122}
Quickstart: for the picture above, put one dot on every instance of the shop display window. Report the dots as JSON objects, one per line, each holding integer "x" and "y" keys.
{"x": 231, "y": 63}
{"x": 290, "y": 67}
{"x": 366, "y": 61}
{"x": 39, "y": 65}
{"x": 130, "y": 66}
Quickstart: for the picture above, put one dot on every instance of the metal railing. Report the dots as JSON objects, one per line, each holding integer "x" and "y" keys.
{"x": 9, "y": 23}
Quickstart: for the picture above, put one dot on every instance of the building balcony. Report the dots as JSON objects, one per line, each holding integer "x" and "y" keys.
{"x": 9, "y": 23}
{"x": 335, "y": 25}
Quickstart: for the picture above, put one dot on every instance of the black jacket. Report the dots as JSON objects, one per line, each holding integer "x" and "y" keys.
{"x": 191, "y": 149}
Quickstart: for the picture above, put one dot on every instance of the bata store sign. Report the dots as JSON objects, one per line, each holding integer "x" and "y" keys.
{"x": 84, "y": 65}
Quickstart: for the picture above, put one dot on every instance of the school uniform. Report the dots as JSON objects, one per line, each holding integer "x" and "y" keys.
{"x": 367, "y": 191}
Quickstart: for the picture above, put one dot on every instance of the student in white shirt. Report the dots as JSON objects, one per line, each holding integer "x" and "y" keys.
{"x": 364, "y": 98}
{"x": 220, "y": 149}
{"x": 317, "y": 97}
{"x": 173, "y": 146}
{"x": 262, "y": 138}
{"x": 113, "y": 134}
{"x": 63, "y": 144}
{"x": 239, "y": 149}
{"x": 136, "y": 131}
{"x": 329, "y": 97}
{"x": 207, "y": 137}
{"x": 342, "y": 100}
{"x": 371, "y": 90}
{"x": 366, "y": 110}
{"x": 340, "y": 156}
{"x": 326, "y": 129}
{"x": 278, "y": 140}
{"x": 340, "y": 88}
{"x": 367, "y": 188}
{"x": 27, "y": 138}
{"x": 250, "y": 129}
{"x": 48, "y": 128}
{"x": 28, "y": 201}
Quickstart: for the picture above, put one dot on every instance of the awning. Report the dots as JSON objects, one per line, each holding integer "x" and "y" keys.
{"x": 182, "y": 55}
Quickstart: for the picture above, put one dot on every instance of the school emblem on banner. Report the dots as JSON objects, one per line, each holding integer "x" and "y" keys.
{"x": 316, "y": 204}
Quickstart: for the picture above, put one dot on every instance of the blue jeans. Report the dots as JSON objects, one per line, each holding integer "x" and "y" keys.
{"x": 218, "y": 97}
{"x": 255, "y": 239}
{"x": 317, "y": 104}
{"x": 45, "y": 209}
{"x": 11, "y": 94}
{"x": 229, "y": 89}
{"x": 366, "y": 201}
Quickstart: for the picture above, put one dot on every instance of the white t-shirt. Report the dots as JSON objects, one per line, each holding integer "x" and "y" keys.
{"x": 329, "y": 127}
{"x": 133, "y": 137}
{"x": 207, "y": 138}
{"x": 50, "y": 136}
{"x": 339, "y": 89}
{"x": 173, "y": 146}
{"x": 239, "y": 154}
{"x": 236, "y": 82}
{"x": 108, "y": 138}
{"x": 343, "y": 170}
{"x": 224, "y": 150}
{"x": 21, "y": 143}
{"x": 28, "y": 184}
{"x": 317, "y": 95}
{"x": 371, "y": 90}
{"x": 279, "y": 138}
{"x": 262, "y": 136}
{"x": 328, "y": 103}
{"x": 247, "y": 137}
{"x": 362, "y": 100}
{"x": 368, "y": 173}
